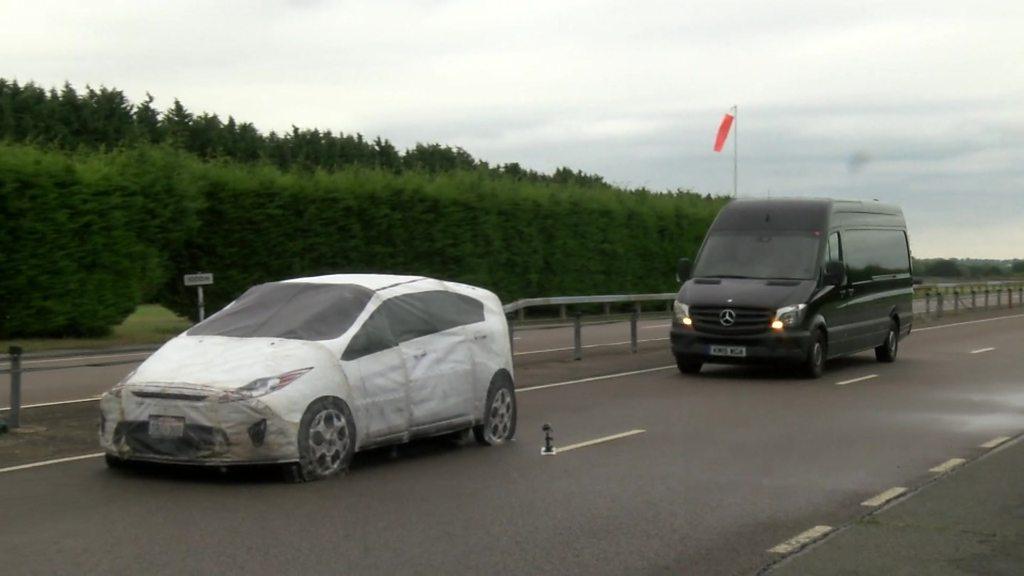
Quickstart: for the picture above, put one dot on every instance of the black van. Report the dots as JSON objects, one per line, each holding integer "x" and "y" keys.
{"x": 795, "y": 280}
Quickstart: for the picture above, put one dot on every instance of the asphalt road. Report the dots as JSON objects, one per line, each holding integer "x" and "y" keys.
{"x": 730, "y": 464}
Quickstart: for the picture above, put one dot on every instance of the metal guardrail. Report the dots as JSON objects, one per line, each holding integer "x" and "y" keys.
{"x": 965, "y": 296}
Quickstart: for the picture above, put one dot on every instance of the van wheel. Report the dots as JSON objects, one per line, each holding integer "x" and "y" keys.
{"x": 887, "y": 351}
{"x": 115, "y": 462}
{"x": 327, "y": 441}
{"x": 499, "y": 424}
{"x": 814, "y": 365}
{"x": 689, "y": 365}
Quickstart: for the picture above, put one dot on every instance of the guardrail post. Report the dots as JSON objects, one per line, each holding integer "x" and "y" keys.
{"x": 974, "y": 299}
{"x": 956, "y": 301}
{"x": 938, "y": 304}
{"x": 577, "y": 344}
{"x": 927, "y": 303}
{"x": 986, "y": 298}
{"x": 999, "y": 297}
{"x": 607, "y": 309}
{"x": 14, "y": 415}
{"x": 632, "y": 330}
{"x": 561, "y": 311}
{"x": 522, "y": 314}
{"x": 511, "y": 337}
{"x": 1009, "y": 297}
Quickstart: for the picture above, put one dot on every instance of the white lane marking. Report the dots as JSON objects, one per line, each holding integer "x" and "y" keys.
{"x": 93, "y": 399}
{"x": 861, "y": 379}
{"x": 884, "y": 496}
{"x": 28, "y": 361}
{"x": 994, "y": 442}
{"x": 980, "y": 350}
{"x": 48, "y": 462}
{"x": 593, "y": 379}
{"x": 801, "y": 540}
{"x": 524, "y": 353}
{"x": 600, "y": 440}
{"x": 517, "y": 337}
{"x": 969, "y": 322}
{"x": 947, "y": 465}
{"x": 656, "y": 326}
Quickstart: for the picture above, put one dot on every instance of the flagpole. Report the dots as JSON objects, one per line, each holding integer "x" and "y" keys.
{"x": 735, "y": 150}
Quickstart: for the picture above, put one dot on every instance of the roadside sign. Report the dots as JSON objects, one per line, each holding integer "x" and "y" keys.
{"x": 203, "y": 279}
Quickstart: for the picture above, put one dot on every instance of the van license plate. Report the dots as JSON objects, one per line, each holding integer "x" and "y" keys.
{"x": 734, "y": 351}
{"x": 166, "y": 426}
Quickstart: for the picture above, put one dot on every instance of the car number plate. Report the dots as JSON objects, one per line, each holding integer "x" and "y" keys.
{"x": 166, "y": 426}
{"x": 735, "y": 351}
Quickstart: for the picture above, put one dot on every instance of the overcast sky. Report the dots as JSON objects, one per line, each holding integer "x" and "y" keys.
{"x": 918, "y": 103}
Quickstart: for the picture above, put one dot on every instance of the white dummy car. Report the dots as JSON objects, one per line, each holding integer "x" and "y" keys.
{"x": 306, "y": 372}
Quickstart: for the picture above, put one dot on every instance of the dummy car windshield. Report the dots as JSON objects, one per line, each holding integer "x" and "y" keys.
{"x": 759, "y": 255}
{"x": 295, "y": 310}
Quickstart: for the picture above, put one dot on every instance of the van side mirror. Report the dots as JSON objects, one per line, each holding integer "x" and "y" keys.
{"x": 683, "y": 270}
{"x": 835, "y": 274}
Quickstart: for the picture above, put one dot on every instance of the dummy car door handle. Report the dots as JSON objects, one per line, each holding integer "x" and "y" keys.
{"x": 480, "y": 337}
{"x": 419, "y": 355}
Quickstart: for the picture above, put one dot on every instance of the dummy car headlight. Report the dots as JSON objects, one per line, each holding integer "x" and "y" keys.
{"x": 682, "y": 313}
{"x": 789, "y": 316}
{"x": 263, "y": 386}
{"x": 119, "y": 387}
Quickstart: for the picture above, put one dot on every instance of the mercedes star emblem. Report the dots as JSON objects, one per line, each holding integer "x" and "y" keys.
{"x": 727, "y": 317}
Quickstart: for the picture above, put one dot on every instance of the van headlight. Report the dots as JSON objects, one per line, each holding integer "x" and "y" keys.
{"x": 682, "y": 313}
{"x": 789, "y": 316}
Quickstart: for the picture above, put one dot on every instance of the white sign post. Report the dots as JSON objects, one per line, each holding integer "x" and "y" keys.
{"x": 199, "y": 280}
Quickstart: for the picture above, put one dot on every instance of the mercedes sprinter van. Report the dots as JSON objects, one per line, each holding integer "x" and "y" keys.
{"x": 795, "y": 280}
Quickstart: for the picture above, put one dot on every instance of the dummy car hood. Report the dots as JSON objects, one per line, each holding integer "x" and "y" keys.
{"x": 225, "y": 362}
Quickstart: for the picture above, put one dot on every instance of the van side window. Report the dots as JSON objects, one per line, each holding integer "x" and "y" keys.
{"x": 412, "y": 316}
{"x": 873, "y": 253}
{"x": 834, "y": 253}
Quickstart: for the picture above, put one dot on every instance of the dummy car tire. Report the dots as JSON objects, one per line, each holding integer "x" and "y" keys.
{"x": 327, "y": 441}
{"x": 499, "y": 425}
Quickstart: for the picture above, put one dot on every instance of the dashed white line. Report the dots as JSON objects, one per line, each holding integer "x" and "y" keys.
{"x": 947, "y": 465}
{"x": 601, "y": 440}
{"x": 884, "y": 496}
{"x": 655, "y": 326}
{"x": 980, "y": 350}
{"x": 593, "y": 378}
{"x": 639, "y": 341}
{"x": 994, "y": 442}
{"x": 801, "y": 540}
{"x": 48, "y": 462}
{"x": 861, "y": 379}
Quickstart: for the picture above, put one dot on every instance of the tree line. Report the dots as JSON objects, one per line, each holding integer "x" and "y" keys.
{"x": 105, "y": 119}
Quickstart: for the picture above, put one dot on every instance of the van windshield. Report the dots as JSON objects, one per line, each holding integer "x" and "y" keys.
{"x": 776, "y": 255}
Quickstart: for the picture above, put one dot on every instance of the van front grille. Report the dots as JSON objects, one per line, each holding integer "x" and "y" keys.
{"x": 747, "y": 321}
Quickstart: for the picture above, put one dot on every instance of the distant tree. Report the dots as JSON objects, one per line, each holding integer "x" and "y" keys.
{"x": 1017, "y": 267}
{"x": 944, "y": 268}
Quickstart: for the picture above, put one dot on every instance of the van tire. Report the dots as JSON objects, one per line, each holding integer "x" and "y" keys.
{"x": 887, "y": 351}
{"x": 814, "y": 364}
{"x": 689, "y": 365}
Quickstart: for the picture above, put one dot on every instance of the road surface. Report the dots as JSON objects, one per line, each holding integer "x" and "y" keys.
{"x": 729, "y": 464}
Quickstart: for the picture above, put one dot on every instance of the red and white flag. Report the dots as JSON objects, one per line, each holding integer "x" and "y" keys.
{"x": 723, "y": 131}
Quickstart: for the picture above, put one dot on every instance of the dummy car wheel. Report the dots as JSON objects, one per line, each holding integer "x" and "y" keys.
{"x": 499, "y": 424}
{"x": 327, "y": 441}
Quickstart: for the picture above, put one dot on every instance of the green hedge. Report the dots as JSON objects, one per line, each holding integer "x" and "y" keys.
{"x": 84, "y": 240}
{"x": 86, "y": 237}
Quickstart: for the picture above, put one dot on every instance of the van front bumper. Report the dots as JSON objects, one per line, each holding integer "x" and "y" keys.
{"x": 784, "y": 346}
